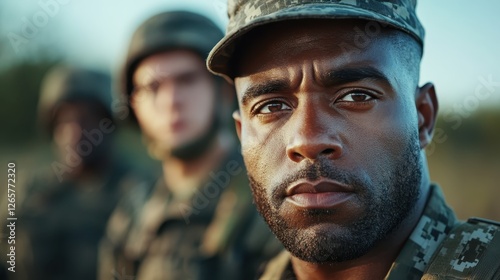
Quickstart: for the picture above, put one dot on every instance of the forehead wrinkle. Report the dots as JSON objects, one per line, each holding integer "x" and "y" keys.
{"x": 305, "y": 44}
{"x": 350, "y": 74}
{"x": 277, "y": 79}
{"x": 261, "y": 88}
{"x": 322, "y": 53}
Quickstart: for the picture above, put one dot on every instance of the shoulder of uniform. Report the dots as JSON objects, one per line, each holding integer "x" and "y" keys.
{"x": 41, "y": 190}
{"x": 470, "y": 251}
{"x": 476, "y": 220}
{"x": 128, "y": 211}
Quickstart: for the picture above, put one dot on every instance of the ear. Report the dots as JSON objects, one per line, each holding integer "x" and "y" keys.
{"x": 427, "y": 108}
{"x": 237, "y": 123}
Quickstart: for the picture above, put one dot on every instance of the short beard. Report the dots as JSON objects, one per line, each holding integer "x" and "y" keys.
{"x": 387, "y": 203}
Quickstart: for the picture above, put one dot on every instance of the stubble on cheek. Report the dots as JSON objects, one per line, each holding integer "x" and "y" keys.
{"x": 264, "y": 153}
{"x": 318, "y": 236}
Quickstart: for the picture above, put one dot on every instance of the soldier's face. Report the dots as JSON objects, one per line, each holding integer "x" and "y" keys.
{"x": 173, "y": 97}
{"x": 74, "y": 119}
{"x": 330, "y": 137}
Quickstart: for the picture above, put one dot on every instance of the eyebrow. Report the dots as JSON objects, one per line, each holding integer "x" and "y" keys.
{"x": 330, "y": 78}
{"x": 257, "y": 90}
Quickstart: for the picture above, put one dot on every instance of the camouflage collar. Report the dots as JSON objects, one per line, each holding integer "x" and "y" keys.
{"x": 434, "y": 225}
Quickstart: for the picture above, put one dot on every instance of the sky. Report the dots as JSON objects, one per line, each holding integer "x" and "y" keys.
{"x": 461, "y": 53}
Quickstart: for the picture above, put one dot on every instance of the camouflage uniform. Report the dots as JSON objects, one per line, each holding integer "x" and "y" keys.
{"x": 214, "y": 234}
{"x": 426, "y": 244}
{"x": 63, "y": 222}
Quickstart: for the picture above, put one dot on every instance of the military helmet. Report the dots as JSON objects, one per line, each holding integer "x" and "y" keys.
{"x": 69, "y": 84}
{"x": 169, "y": 31}
{"x": 246, "y": 15}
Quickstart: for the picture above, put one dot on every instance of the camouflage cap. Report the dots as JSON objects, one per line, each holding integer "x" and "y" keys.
{"x": 245, "y": 15}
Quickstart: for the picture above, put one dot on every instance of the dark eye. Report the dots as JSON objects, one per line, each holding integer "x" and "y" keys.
{"x": 273, "y": 107}
{"x": 356, "y": 97}
{"x": 150, "y": 88}
{"x": 188, "y": 78}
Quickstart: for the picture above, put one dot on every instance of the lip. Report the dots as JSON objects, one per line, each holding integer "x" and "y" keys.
{"x": 177, "y": 125}
{"x": 319, "y": 194}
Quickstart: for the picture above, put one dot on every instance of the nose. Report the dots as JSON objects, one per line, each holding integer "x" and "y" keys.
{"x": 68, "y": 133}
{"x": 313, "y": 136}
{"x": 168, "y": 96}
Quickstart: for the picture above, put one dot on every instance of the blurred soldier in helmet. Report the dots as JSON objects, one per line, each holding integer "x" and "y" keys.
{"x": 198, "y": 222}
{"x": 66, "y": 208}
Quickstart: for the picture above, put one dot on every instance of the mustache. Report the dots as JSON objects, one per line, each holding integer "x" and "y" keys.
{"x": 314, "y": 171}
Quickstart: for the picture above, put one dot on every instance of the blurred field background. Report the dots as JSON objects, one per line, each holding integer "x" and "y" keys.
{"x": 460, "y": 57}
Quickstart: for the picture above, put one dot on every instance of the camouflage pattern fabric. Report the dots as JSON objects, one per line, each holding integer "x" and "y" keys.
{"x": 471, "y": 251}
{"x": 245, "y": 15}
{"x": 164, "y": 237}
{"x": 433, "y": 227}
{"x": 435, "y": 224}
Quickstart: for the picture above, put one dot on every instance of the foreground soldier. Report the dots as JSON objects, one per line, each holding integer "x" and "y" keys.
{"x": 333, "y": 127}
{"x": 198, "y": 222}
{"x": 65, "y": 212}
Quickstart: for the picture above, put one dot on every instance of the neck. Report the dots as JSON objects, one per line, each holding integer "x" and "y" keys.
{"x": 182, "y": 177}
{"x": 378, "y": 261}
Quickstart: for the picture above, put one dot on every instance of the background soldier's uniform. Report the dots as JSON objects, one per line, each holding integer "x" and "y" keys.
{"x": 64, "y": 214}
{"x": 438, "y": 248}
{"x": 152, "y": 236}
{"x": 64, "y": 222}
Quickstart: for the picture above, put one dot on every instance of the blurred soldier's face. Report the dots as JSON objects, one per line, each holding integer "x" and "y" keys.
{"x": 330, "y": 137}
{"x": 73, "y": 123}
{"x": 174, "y": 98}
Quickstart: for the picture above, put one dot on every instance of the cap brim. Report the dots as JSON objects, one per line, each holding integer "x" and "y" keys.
{"x": 218, "y": 61}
